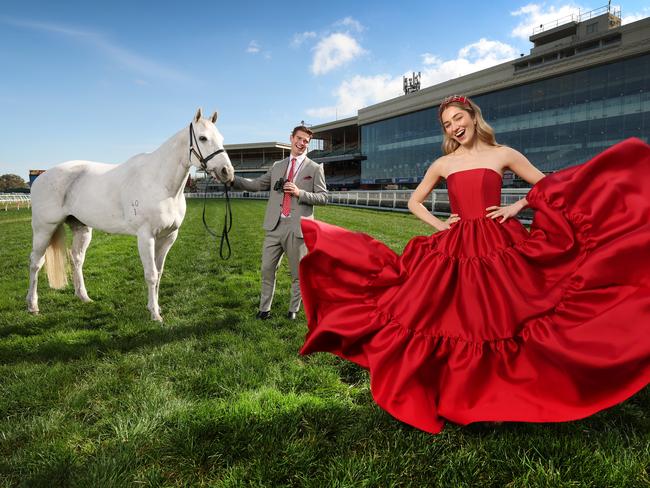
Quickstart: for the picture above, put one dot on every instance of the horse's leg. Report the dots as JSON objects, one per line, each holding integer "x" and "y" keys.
{"x": 146, "y": 246}
{"x": 163, "y": 245}
{"x": 40, "y": 241}
{"x": 81, "y": 236}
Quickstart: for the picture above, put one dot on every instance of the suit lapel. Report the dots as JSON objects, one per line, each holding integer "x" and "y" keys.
{"x": 306, "y": 165}
{"x": 284, "y": 164}
{"x": 305, "y": 172}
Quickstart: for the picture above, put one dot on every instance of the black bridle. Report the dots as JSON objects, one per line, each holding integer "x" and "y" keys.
{"x": 227, "y": 221}
{"x": 196, "y": 150}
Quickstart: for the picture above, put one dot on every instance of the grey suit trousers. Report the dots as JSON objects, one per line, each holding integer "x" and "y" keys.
{"x": 277, "y": 242}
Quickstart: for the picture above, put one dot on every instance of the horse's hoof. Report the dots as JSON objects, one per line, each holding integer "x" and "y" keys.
{"x": 33, "y": 311}
{"x": 83, "y": 297}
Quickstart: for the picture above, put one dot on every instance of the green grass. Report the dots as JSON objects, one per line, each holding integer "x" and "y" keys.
{"x": 98, "y": 395}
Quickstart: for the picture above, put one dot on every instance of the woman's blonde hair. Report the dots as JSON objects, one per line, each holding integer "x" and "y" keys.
{"x": 484, "y": 131}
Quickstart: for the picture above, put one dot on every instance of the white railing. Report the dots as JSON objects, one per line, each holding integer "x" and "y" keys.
{"x": 14, "y": 200}
{"x": 394, "y": 200}
{"x": 398, "y": 199}
{"x": 258, "y": 195}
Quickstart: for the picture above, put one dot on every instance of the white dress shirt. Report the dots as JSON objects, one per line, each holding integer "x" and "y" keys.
{"x": 299, "y": 160}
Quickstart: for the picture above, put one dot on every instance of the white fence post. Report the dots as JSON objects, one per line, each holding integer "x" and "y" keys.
{"x": 17, "y": 200}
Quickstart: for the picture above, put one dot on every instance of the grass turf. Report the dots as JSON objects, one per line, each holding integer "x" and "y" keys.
{"x": 98, "y": 395}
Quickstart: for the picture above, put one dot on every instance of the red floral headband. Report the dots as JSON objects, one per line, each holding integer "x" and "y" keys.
{"x": 452, "y": 99}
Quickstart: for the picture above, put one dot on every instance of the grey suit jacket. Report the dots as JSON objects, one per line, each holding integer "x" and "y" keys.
{"x": 311, "y": 182}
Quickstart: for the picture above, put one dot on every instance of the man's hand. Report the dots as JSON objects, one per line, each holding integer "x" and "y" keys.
{"x": 225, "y": 178}
{"x": 290, "y": 187}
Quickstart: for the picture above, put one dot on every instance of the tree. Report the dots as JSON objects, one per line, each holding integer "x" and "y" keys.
{"x": 10, "y": 182}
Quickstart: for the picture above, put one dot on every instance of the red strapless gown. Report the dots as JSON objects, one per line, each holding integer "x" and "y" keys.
{"x": 486, "y": 321}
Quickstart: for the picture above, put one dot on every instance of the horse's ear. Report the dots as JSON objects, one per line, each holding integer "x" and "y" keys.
{"x": 214, "y": 118}
{"x": 198, "y": 115}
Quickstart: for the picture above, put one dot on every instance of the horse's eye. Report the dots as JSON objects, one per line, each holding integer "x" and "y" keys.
{"x": 203, "y": 138}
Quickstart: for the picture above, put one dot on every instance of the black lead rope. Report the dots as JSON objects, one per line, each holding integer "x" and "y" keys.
{"x": 227, "y": 220}
{"x": 227, "y": 225}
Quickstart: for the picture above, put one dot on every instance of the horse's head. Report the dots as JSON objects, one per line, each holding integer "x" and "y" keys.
{"x": 206, "y": 148}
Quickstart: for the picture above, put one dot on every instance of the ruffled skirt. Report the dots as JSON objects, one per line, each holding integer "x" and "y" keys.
{"x": 490, "y": 322}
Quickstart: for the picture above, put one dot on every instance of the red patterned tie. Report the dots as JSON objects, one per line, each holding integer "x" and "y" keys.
{"x": 286, "y": 200}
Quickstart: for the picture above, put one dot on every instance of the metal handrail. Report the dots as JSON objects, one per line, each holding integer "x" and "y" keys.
{"x": 577, "y": 17}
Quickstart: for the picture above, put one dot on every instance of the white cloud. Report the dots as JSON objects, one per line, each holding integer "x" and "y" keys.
{"x": 46, "y": 26}
{"x": 333, "y": 51}
{"x": 535, "y": 15}
{"x": 487, "y": 50}
{"x": 361, "y": 91}
{"x": 336, "y": 47}
{"x": 349, "y": 23}
{"x": 116, "y": 53}
{"x": 428, "y": 58}
{"x": 324, "y": 113}
{"x": 253, "y": 47}
{"x": 298, "y": 39}
{"x": 471, "y": 58}
{"x": 633, "y": 17}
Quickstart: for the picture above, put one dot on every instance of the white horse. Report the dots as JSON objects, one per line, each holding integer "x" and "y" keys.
{"x": 142, "y": 197}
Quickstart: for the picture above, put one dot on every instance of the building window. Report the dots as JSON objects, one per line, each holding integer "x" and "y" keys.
{"x": 591, "y": 28}
{"x": 555, "y": 122}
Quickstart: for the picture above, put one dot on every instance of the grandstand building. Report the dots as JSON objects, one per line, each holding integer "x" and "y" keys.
{"x": 584, "y": 86}
{"x": 33, "y": 174}
{"x": 250, "y": 160}
{"x": 254, "y": 159}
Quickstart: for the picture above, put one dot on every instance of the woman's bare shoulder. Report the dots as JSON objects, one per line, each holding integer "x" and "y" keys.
{"x": 439, "y": 166}
{"x": 506, "y": 150}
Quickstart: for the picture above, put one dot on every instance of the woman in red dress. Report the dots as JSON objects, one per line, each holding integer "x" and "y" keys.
{"x": 483, "y": 320}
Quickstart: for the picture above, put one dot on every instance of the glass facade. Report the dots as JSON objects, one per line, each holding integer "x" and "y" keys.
{"x": 555, "y": 122}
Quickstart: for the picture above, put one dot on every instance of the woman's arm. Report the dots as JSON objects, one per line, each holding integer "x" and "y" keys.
{"x": 519, "y": 165}
{"x": 421, "y": 193}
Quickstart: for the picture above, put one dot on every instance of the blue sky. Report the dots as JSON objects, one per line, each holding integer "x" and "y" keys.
{"x": 106, "y": 80}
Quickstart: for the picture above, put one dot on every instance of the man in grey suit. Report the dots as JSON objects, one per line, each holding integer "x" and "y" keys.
{"x": 296, "y": 184}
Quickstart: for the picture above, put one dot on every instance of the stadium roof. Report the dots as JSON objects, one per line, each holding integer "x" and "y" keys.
{"x": 257, "y": 145}
{"x": 337, "y": 124}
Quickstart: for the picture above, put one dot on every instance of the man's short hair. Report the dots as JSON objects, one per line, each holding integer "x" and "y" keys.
{"x": 303, "y": 129}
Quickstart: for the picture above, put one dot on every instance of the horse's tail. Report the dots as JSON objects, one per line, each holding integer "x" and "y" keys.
{"x": 56, "y": 260}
